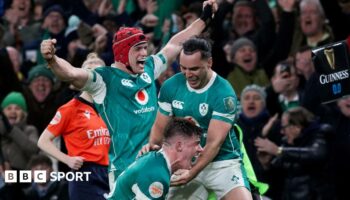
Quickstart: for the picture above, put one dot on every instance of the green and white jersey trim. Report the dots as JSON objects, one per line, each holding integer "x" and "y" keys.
{"x": 118, "y": 95}
{"x": 230, "y": 117}
{"x": 205, "y": 88}
{"x": 160, "y": 64}
{"x": 215, "y": 101}
{"x": 139, "y": 195}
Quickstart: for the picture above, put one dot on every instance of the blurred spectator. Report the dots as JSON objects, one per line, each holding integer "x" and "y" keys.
{"x": 314, "y": 30}
{"x": 38, "y": 9}
{"x": 53, "y": 26}
{"x": 338, "y": 14}
{"x": 16, "y": 60}
{"x": 310, "y": 100}
{"x": 255, "y": 21}
{"x": 40, "y": 96}
{"x": 283, "y": 93}
{"x": 303, "y": 62}
{"x": 18, "y": 140}
{"x": 339, "y": 141}
{"x": 47, "y": 190}
{"x": 253, "y": 119}
{"x": 7, "y": 75}
{"x": 244, "y": 55}
{"x": 303, "y": 155}
{"x": 19, "y": 23}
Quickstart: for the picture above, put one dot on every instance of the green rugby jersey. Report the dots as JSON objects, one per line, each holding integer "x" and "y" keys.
{"x": 216, "y": 100}
{"x": 146, "y": 178}
{"x": 128, "y": 105}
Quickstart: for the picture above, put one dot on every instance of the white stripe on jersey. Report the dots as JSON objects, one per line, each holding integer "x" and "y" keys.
{"x": 138, "y": 193}
{"x": 159, "y": 66}
{"x": 225, "y": 115}
{"x": 96, "y": 88}
{"x": 166, "y": 107}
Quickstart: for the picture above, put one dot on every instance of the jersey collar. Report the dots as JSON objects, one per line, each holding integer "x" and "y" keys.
{"x": 205, "y": 88}
{"x": 166, "y": 159}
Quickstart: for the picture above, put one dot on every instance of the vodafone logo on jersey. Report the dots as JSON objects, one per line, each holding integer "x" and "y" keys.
{"x": 56, "y": 119}
{"x": 142, "y": 97}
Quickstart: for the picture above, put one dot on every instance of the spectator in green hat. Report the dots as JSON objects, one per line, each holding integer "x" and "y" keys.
{"x": 18, "y": 139}
{"x": 14, "y": 107}
{"x": 41, "y": 81}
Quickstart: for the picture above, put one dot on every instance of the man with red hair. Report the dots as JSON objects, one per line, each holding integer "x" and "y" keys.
{"x": 125, "y": 93}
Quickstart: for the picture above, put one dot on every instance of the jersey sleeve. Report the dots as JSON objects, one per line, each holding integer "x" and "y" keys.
{"x": 165, "y": 98}
{"x": 151, "y": 186}
{"x": 60, "y": 122}
{"x": 159, "y": 63}
{"x": 96, "y": 86}
{"x": 225, "y": 106}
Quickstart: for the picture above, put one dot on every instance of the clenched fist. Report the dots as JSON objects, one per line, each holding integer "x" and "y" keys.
{"x": 47, "y": 48}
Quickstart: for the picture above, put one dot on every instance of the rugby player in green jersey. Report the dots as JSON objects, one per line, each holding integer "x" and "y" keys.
{"x": 127, "y": 88}
{"x": 199, "y": 94}
{"x": 149, "y": 176}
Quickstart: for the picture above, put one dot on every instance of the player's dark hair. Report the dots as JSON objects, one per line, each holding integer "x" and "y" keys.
{"x": 197, "y": 43}
{"x": 183, "y": 127}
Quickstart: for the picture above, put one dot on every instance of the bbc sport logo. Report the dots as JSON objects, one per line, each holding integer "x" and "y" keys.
{"x": 40, "y": 176}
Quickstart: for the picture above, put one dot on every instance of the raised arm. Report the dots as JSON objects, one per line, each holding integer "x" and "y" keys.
{"x": 174, "y": 46}
{"x": 60, "y": 67}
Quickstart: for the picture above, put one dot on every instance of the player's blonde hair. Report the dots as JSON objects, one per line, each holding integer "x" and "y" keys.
{"x": 93, "y": 59}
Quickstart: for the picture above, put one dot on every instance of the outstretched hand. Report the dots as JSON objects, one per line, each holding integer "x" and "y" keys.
{"x": 181, "y": 177}
{"x": 213, "y": 4}
{"x": 146, "y": 148}
{"x": 47, "y": 48}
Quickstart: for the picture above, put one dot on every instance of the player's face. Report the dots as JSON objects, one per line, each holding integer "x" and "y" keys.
{"x": 137, "y": 57}
{"x": 195, "y": 69}
{"x": 191, "y": 148}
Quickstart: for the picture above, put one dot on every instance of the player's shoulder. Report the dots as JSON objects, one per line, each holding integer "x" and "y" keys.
{"x": 176, "y": 79}
{"x": 152, "y": 159}
{"x": 71, "y": 107}
{"x": 222, "y": 86}
{"x": 103, "y": 69}
{"x": 71, "y": 104}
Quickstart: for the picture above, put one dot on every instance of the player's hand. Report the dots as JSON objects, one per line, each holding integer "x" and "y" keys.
{"x": 148, "y": 147}
{"x": 47, "y": 48}
{"x": 181, "y": 177}
{"x": 75, "y": 162}
{"x": 213, "y": 4}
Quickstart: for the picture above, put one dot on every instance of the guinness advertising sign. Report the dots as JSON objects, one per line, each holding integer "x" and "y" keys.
{"x": 332, "y": 66}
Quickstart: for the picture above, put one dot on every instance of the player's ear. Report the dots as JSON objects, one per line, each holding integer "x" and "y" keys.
{"x": 178, "y": 146}
{"x": 210, "y": 62}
